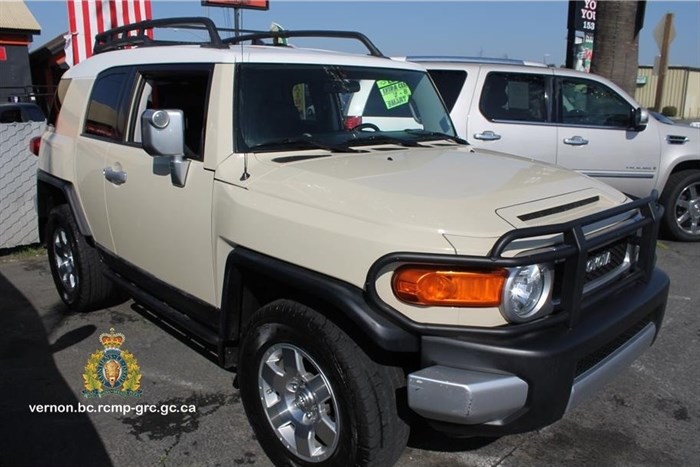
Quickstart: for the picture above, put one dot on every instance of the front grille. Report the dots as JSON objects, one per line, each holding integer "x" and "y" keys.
{"x": 618, "y": 251}
{"x": 599, "y": 355}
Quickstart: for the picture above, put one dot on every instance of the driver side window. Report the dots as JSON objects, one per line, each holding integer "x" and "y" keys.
{"x": 585, "y": 102}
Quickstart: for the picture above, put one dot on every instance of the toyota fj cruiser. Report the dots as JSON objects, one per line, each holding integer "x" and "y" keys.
{"x": 360, "y": 266}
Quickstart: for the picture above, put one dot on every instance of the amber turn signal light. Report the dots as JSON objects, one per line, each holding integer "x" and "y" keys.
{"x": 426, "y": 286}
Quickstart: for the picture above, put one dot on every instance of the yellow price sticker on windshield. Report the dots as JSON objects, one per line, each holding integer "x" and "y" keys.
{"x": 394, "y": 93}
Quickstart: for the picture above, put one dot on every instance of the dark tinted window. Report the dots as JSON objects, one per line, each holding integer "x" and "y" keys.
{"x": 585, "y": 102}
{"x": 103, "y": 115}
{"x": 515, "y": 97}
{"x": 449, "y": 83}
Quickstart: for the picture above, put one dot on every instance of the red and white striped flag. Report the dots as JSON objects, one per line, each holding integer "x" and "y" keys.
{"x": 86, "y": 18}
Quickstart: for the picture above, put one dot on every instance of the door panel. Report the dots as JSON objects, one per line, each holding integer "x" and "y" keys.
{"x": 594, "y": 137}
{"x": 158, "y": 227}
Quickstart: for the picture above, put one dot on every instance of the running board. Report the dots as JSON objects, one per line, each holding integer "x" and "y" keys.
{"x": 187, "y": 324}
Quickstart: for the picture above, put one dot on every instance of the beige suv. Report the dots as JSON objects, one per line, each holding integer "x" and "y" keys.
{"x": 359, "y": 275}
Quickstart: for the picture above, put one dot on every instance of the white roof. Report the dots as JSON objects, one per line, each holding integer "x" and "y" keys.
{"x": 233, "y": 54}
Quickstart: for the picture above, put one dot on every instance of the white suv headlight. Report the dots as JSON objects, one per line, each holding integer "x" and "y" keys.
{"x": 527, "y": 293}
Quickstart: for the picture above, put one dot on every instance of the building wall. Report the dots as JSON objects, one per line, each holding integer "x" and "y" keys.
{"x": 682, "y": 90}
{"x": 692, "y": 97}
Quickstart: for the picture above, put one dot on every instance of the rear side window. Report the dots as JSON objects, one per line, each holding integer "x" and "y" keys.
{"x": 104, "y": 115}
{"x": 517, "y": 97}
{"x": 449, "y": 83}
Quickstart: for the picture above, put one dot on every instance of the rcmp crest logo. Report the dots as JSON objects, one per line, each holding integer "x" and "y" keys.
{"x": 112, "y": 370}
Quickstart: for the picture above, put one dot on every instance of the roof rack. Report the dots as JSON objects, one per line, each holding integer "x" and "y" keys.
{"x": 121, "y": 37}
{"x": 135, "y": 34}
{"x": 257, "y": 38}
{"x": 460, "y": 59}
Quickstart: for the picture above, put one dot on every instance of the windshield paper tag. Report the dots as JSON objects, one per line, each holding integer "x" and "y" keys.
{"x": 394, "y": 93}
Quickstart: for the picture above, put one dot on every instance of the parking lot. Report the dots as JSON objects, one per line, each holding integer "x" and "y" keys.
{"x": 649, "y": 416}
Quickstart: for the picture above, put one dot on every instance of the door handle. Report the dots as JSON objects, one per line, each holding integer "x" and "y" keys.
{"x": 487, "y": 136}
{"x": 575, "y": 141}
{"x": 115, "y": 176}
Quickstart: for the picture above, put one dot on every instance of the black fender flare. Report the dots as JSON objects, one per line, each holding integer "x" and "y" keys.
{"x": 68, "y": 190}
{"x": 343, "y": 297}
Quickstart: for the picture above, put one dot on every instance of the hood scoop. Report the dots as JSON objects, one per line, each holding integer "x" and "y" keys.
{"x": 286, "y": 159}
{"x": 558, "y": 209}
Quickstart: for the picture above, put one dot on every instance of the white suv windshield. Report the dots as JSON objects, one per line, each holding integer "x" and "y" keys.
{"x": 283, "y": 106}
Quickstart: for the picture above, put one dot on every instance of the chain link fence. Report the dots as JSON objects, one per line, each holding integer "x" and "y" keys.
{"x": 18, "y": 220}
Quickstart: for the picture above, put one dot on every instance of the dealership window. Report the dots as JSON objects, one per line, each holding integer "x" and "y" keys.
{"x": 514, "y": 97}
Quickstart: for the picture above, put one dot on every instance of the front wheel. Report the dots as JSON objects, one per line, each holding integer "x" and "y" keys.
{"x": 313, "y": 396}
{"x": 681, "y": 201}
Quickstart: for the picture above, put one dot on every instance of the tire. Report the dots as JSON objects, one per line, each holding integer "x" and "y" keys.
{"x": 75, "y": 266}
{"x": 681, "y": 202}
{"x": 300, "y": 375}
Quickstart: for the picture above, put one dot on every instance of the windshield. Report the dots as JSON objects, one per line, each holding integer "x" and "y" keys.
{"x": 287, "y": 106}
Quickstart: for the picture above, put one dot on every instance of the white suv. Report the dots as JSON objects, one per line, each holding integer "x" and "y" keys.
{"x": 576, "y": 120}
{"x": 357, "y": 278}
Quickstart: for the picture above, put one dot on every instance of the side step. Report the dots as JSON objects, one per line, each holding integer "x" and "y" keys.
{"x": 185, "y": 324}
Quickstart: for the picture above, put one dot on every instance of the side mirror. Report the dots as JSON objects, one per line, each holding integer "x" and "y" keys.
{"x": 640, "y": 118}
{"x": 163, "y": 134}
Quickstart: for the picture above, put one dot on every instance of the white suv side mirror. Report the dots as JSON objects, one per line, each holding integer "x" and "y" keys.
{"x": 641, "y": 118}
{"x": 163, "y": 134}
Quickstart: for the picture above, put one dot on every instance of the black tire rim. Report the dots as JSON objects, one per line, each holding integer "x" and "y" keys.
{"x": 299, "y": 402}
{"x": 64, "y": 259}
{"x": 687, "y": 209}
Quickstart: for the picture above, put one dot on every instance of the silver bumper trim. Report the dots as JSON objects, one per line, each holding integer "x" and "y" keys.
{"x": 608, "y": 368}
{"x": 463, "y": 396}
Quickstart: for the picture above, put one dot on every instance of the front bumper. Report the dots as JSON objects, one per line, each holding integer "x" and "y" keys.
{"x": 497, "y": 385}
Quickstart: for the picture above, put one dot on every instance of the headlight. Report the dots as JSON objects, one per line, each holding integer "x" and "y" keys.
{"x": 527, "y": 293}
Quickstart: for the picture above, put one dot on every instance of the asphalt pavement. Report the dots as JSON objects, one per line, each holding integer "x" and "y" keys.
{"x": 648, "y": 416}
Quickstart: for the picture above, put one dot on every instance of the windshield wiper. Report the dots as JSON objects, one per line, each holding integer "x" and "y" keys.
{"x": 426, "y": 135}
{"x": 384, "y": 139}
{"x": 302, "y": 143}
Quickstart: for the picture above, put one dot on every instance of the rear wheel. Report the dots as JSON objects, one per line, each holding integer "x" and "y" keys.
{"x": 313, "y": 396}
{"x": 75, "y": 266}
{"x": 681, "y": 201}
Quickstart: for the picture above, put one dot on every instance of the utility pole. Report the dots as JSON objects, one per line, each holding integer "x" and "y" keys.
{"x": 667, "y": 36}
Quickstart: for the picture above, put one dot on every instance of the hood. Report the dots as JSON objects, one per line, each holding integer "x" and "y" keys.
{"x": 457, "y": 191}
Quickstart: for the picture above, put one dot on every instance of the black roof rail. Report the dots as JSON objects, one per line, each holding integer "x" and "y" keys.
{"x": 257, "y": 38}
{"x": 120, "y": 37}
